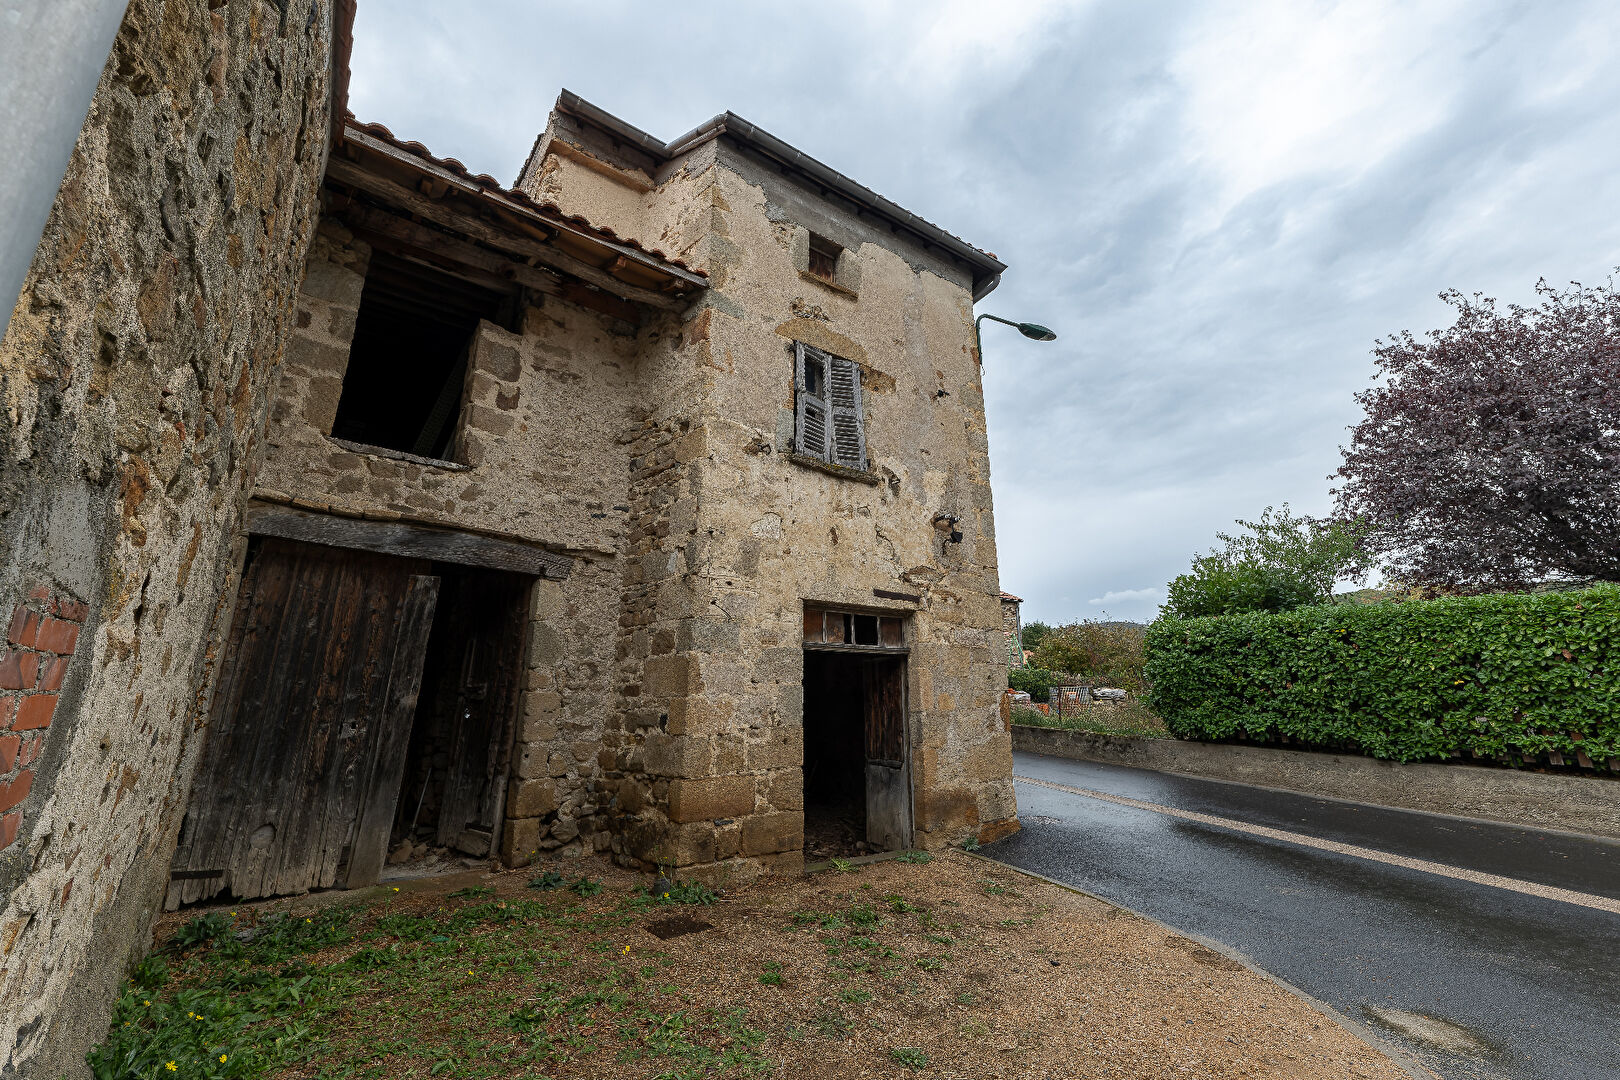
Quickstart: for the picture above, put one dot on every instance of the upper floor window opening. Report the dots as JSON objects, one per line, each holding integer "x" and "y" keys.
{"x": 824, "y": 257}
{"x": 830, "y": 422}
{"x": 407, "y": 370}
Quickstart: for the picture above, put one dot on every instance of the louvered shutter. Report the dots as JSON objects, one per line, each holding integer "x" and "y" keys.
{"x": 810, "y": 376}
{"x": 848, "y": 430}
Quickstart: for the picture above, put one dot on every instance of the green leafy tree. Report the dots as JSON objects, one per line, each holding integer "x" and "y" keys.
{"x": 1099, "y": 650}
{"x": 1033, "y": 634}
{"x": 1282, "y": 562}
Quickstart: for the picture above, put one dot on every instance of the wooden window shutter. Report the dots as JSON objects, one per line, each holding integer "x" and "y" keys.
{"x": 848, "y": 429}
{"x": 810, "y": 376}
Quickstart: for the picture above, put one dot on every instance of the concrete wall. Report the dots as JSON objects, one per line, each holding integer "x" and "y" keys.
{"x": 1539, "y": 800}
{"x": 134, "y": 374}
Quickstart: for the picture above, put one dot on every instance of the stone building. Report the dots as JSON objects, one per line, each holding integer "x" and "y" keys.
{"x": 1012, "y": 625}
{"x": 642, "y": 508}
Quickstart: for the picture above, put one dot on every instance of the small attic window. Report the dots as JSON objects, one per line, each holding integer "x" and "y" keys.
{"x": 824, "y": 257}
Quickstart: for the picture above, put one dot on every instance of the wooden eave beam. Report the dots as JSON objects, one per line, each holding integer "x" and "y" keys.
{"x": 490, "y": 198}
{"x": 357, "y": 176}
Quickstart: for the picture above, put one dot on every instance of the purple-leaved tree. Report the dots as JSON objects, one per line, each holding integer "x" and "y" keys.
{"x": 1489, "y": 457}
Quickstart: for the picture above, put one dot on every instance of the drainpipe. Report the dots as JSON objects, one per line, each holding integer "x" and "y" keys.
{"x": 51, "y": 56}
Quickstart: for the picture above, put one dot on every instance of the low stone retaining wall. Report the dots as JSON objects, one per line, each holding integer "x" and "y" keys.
{"x": 1539, "y": 800}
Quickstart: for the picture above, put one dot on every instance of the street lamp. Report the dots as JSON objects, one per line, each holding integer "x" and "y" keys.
{"x": 1033, "y": 331}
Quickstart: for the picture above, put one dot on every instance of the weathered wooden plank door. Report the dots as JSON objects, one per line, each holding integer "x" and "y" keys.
{"x": 888, "y": 768}
{"x": 305, "y": 749}
{"x": 483, "y": 635}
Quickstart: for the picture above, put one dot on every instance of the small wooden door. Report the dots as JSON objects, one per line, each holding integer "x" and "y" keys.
{"x": 310, "y": 723}
{"x": 888, "y": 772}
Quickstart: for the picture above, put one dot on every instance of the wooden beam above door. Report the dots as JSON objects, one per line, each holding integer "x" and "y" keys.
{"x": 408, "y": 541}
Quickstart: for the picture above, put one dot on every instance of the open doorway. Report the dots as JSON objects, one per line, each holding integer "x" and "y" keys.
{"x": 857, "y": 778}
{"x": 454, "y": 787}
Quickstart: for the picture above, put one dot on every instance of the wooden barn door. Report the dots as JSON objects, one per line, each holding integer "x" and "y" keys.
{"x": 310, "y": 724}
{"x": 888, "y": 773}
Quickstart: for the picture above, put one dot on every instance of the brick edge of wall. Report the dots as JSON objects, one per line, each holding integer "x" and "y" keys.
{"x": 41, "y": 637}
{"x": 1581, "y": 804}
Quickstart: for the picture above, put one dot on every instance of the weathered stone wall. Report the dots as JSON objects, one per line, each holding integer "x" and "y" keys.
{"x": 553, "y": 437}
{"x": 730, "y": 536}
{"x": 134, "y": 375}
{"x": 1012, "y": 625}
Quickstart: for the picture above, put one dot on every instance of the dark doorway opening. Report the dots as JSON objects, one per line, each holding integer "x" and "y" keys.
{"x": 454, "y": 787}
{"x": 857, "y": 795}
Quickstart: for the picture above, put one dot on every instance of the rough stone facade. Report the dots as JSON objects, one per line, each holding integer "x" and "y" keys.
{"x": 663, "y": 720}
{"x": 134, "y": 375}
{"x": 1012, "y": 625}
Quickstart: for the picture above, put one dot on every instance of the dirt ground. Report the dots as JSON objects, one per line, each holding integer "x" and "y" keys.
{"x": 950, "y": 967}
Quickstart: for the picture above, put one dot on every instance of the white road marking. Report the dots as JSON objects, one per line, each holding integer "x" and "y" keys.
{"x": 1529, "y": 888}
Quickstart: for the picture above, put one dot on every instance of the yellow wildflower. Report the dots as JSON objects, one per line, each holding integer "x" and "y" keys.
{"x": 222, "y": 1059}
{"x": 172, "y": 1067}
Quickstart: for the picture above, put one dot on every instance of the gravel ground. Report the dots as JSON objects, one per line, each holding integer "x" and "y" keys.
{"x": 950, "y": 967}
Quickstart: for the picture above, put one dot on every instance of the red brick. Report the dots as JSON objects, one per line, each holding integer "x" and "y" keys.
{"x": 8, "y": 827}
{"x": 73, "y": 610}
{"x": 15, "y": 791}
{"x": 34, "y": 712}
{"x": 55, "y": 669}
{"x": 31, "y": 750}
{"x": 39, "y": 592}
{"x": 24, "y": 625}
{"x": 57, "y": 636}
{"x": 8, "y": 751}
{"x": 19, "y": 670}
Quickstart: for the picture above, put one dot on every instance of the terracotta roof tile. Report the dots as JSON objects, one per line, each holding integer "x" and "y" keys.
{"x": 489, "y": 183}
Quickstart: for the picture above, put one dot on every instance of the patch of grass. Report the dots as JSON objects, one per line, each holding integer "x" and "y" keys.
{"x": 691, "y": 892}
{"x": 548, "y": 880}
{"x": 862, "y": 915}
{"x": 910, "y": 1057}
{"x": 473, "y": 892}
{"x": 772, "y": 975}
{"x": 843, "y": 866}
{"x": 900, "y": 906}
{"x": 587, "y": 887}
{"x": 914, "y": 857}
{"x": 855, "y": 997}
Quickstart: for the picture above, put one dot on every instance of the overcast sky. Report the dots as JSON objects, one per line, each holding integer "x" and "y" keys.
{"x": 1218, "y": 206}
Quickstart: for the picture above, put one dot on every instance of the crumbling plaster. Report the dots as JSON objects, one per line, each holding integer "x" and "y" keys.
{"x": 134, "y": 377}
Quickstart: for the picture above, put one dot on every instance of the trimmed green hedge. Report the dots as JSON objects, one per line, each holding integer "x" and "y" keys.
{"x": 1492, "y": 675}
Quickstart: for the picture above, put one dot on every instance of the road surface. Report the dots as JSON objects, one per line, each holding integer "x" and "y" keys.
{"x": 1486, "y": 950}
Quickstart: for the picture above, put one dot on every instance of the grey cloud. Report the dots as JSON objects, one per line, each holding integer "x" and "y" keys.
{"x": 1206, "y": 359}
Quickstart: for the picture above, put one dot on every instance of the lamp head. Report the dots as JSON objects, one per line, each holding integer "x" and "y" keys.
{"x": 1036, "y": 332}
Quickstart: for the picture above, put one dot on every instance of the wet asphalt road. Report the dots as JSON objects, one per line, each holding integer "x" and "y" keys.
{"x": 1537, "y": 980}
